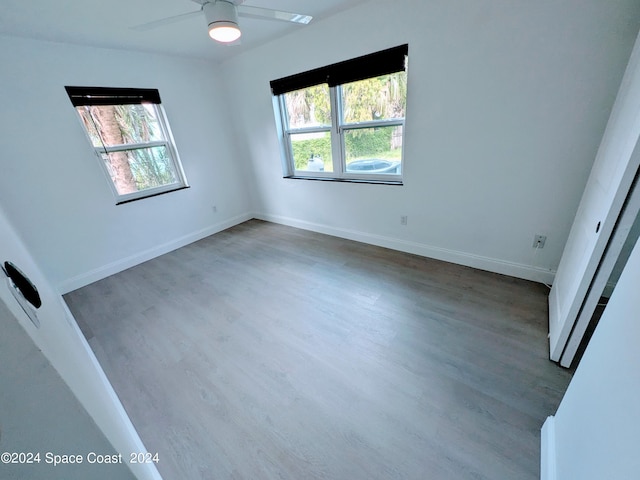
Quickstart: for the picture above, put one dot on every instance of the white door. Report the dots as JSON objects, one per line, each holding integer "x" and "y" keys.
{"x": 608, "y": 185}
{"x": 57, "y": 336}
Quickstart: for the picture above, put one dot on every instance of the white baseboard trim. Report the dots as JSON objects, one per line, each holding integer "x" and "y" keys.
{"x": 104, "y": 271}
{"x": 494, "y": 265}
{"x": 503, "y": 267}
{"x": 548, "y": 450}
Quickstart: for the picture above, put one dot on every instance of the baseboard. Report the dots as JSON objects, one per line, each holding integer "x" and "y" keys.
{"x": 548, "y": 450}
{"x": 104, "y": 271}
{"x": 503, "y": 267}
{"x": 494, "y": 265}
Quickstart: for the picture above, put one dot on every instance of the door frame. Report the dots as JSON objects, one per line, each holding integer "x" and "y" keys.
{"x": 612, "y": 252}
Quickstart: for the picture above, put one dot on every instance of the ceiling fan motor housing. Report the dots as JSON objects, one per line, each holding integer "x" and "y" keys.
{"x": 220, "y": 14}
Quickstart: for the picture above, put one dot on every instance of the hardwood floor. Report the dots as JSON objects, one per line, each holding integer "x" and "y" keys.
{"x": 267, "y": 352}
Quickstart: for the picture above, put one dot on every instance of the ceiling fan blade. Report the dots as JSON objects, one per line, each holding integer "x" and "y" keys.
{"x": 165, "y": 21}
{"x": 257, "y": 12}
{"x": 235, "y": 2}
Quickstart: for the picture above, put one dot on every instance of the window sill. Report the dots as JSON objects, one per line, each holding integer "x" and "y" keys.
{"x": 347, "y": 180}
{"x": 152, "y": 194}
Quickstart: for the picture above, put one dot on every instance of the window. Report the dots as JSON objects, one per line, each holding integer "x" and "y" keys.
{"x": 130, "y": 135}
{"x": 344, "y": 121}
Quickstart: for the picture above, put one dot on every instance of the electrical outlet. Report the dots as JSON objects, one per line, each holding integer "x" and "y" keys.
{"x": 538, "y": 241}
{"x": 403, "y": 220}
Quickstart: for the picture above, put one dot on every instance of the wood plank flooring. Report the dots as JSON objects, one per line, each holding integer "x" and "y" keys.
{"x": 267, "y": 352}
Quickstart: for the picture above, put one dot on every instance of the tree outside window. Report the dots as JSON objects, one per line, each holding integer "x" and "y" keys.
{"x": 132, "y": 139}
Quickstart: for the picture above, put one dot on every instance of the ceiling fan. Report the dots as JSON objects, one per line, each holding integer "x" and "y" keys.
{"x": 222, "y": 18}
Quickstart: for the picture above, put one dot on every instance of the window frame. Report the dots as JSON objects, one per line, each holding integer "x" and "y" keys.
{"x": 100, "y": 96}
{"x": 287, "y": 145}
{"x": 338, "y": 126}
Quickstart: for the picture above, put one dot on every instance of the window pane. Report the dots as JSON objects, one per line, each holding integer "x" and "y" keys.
{"x": 140, "y": 169}
{"x": 312, "y": 151}
{"x": 374, "y": 150}
{"x": 376, "y": 98}
{"x": 309, "y": 107}
{"x": 121, "y": 124}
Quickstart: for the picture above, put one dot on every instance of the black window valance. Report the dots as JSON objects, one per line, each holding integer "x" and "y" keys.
{"x": 111, "y": 96}
{"x": 387, "y": 61}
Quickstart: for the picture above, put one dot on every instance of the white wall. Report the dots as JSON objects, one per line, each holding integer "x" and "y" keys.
{"x": 55, "y": 193}
{"x": 507, "y": 104}
{"x": 594, "y": 434}
{"x": 64, "y": 346}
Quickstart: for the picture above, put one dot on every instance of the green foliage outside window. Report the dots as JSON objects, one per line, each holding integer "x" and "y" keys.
{"x": 372, "y": 99}
{"x": 304, "y": 149}
{"x": 130, "y": 125}
{"x": 368, "y": 142}
{"x": 364, "y": 143}
{"x": 375, "y": 98}
{"x": 310, "y": 106}
{"x": 151, "y": 167}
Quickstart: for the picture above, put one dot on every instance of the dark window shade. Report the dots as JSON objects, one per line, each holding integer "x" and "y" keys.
{"x": 80, "y": 96}
{"x": 387, "y": 61}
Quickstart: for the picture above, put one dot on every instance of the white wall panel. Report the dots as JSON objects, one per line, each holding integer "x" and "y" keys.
{"x": 55, "y": 193}
{"x": 595, "y": 431}
{"x": 507, "y": 104}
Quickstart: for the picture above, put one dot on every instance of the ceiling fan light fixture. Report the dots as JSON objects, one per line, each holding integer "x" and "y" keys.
{"x": 222, "y": 18}
{"x": 224, "y": 33}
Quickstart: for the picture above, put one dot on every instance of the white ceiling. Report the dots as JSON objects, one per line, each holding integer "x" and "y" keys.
{"x": 107, "y": 23}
